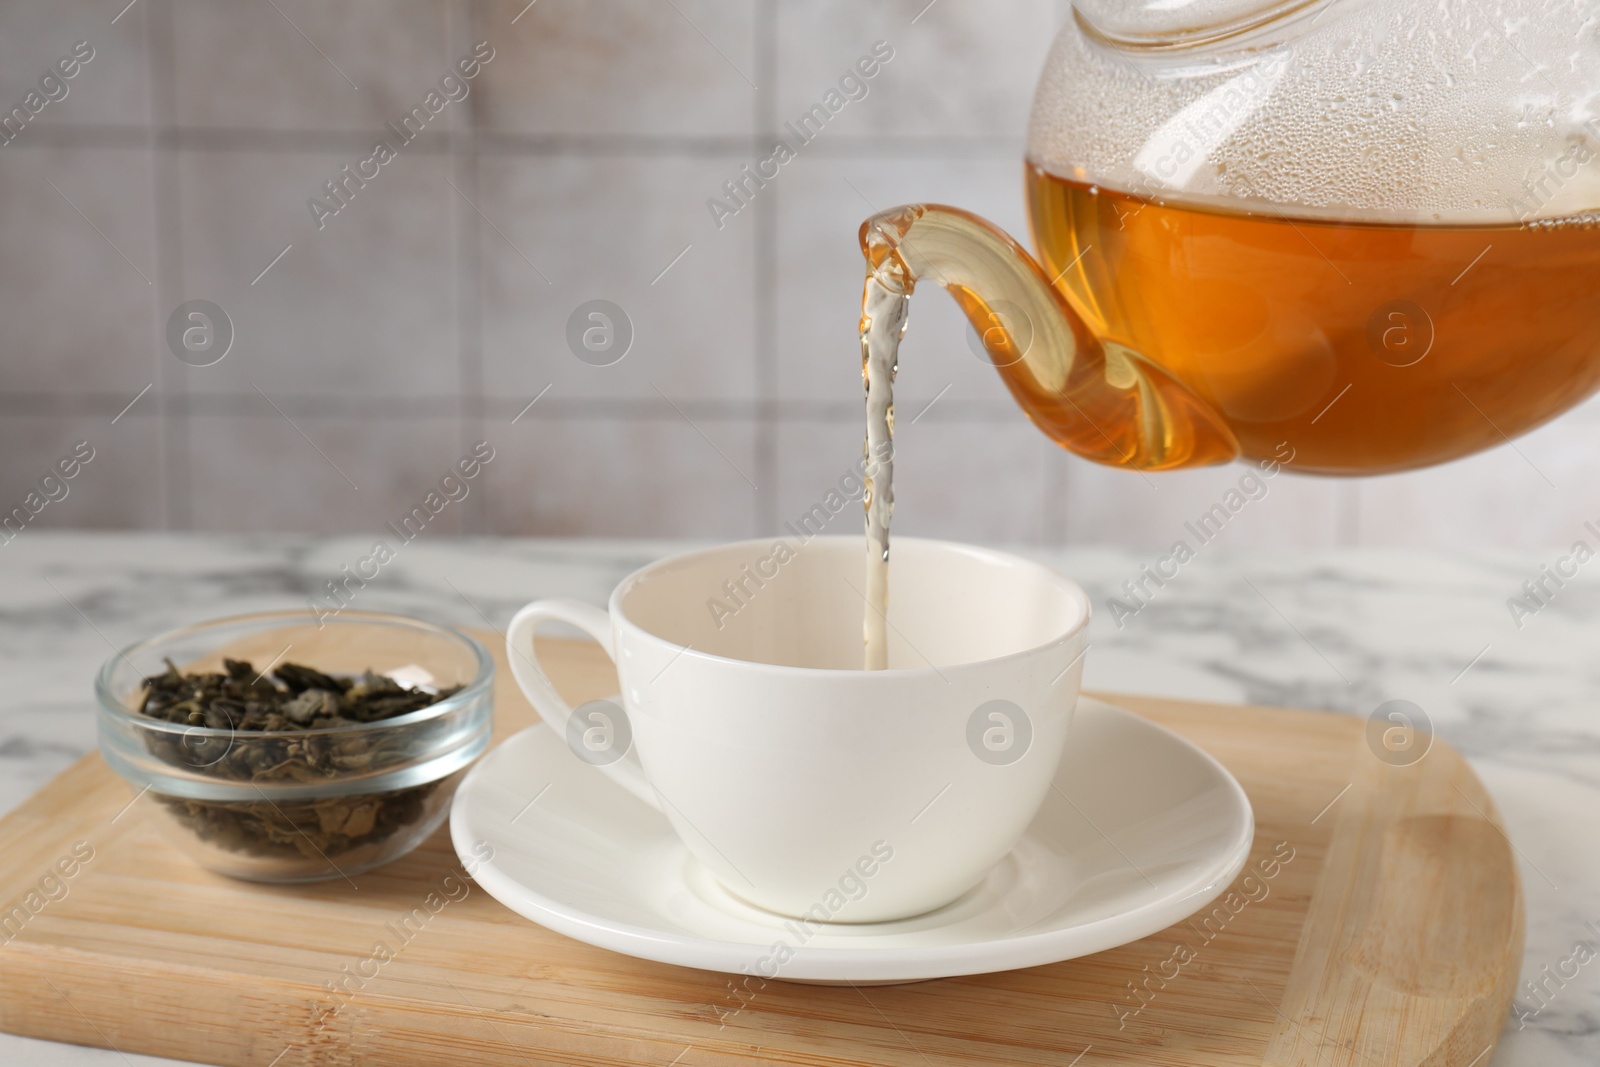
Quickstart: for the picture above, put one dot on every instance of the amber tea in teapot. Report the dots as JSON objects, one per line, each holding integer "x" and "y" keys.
{"x": 1365, "y": 228}
{"x": 1372, "y": 346}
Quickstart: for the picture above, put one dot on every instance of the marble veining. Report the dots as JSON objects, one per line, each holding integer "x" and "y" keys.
{"x": 1342, "y": 630}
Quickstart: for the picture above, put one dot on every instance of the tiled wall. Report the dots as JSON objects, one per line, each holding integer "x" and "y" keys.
{"x": 370, "y": 354}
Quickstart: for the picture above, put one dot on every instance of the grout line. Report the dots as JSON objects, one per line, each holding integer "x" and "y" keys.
{"x": 764, "y": 239}
{"x": 425, "y": 409}
{"x": 244, "y": 404}
{"x": 737, "y": 147}
{"x": 152, "y": 158}
{"x": 172, "y": 392}
{"x": 467, "y": 253}
{"x": 270, "y": 139}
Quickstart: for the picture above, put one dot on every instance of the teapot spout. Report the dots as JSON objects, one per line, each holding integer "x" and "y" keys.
{"x": 1098, "y": 399}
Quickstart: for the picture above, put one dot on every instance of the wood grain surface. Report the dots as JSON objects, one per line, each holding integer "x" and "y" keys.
{"x": 1391, "y": 937}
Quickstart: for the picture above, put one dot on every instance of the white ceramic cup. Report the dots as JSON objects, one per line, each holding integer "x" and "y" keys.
{"x": 806, "y": 785}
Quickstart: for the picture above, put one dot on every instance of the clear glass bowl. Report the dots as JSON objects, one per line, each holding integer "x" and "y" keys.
{"x": 302, "y": 805}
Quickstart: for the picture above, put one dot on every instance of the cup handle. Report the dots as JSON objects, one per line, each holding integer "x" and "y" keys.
{"x": 626, "y": 771}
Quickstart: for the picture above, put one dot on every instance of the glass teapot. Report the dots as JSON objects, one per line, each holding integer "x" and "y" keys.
{"x": 1369, "y": 229}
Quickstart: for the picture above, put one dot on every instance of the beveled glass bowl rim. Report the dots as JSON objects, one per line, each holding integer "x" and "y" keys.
{"x": 468, "y": 697}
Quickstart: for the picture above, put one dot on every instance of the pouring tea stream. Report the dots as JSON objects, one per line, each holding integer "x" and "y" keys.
{"x": 1362, "y": 229}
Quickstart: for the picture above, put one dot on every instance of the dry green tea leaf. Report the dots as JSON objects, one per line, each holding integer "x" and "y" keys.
{"x": 275, "y": 730}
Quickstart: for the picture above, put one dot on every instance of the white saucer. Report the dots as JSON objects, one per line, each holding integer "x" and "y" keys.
{"x": 1142, "y": 830}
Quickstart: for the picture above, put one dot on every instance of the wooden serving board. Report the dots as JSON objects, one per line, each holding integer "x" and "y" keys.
{"x": 1392, "y": 937}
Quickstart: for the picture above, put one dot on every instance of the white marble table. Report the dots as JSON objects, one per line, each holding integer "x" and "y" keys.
{"x": 1337, "y": 630}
